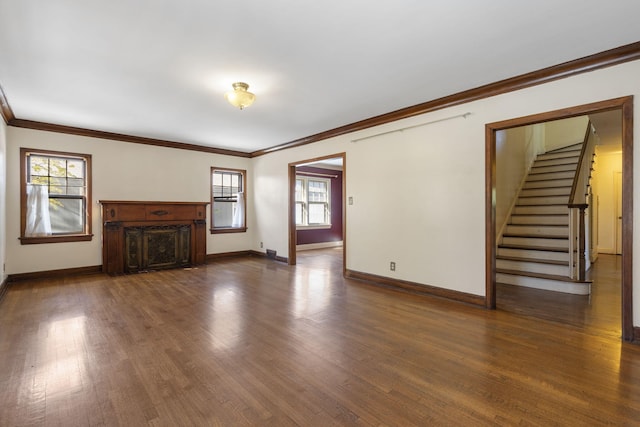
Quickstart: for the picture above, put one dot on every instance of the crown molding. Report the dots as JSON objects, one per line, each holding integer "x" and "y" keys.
{"x": 49, "y": 127}
{"x": 608, "y": 58}
{"x": 5, "y": 108}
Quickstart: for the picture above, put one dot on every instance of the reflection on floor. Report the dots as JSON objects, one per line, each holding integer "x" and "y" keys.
{"x": 321, "y": 258}
{"x": 600, "y": 310}
{"x": 251, "y": 341}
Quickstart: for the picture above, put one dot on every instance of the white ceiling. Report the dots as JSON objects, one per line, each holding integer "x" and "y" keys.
{"x": 159, "y": 68}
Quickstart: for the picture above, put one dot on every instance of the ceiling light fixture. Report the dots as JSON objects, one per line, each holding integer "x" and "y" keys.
{"x": 240, "y": 97}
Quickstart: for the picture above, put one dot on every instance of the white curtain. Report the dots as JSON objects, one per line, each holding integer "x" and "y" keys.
{"x": 238, "y": 215}
{"x": 38, "y": 219}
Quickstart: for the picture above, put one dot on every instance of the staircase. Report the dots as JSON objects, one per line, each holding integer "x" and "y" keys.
{"x": 534, "y": 250}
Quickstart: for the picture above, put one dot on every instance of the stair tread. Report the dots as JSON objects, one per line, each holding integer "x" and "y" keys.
{"x": 553, "y": 166}
{"x": 566, "y": 148}
{"x": 536, "y": 260}
{"x": 569, "y": 155}
{"x": 542, "y": 180}
{"x": 548, "y": 172}
{"x": 541, "y": 276}
{"x": 555, "y": 158}
{"x": 533, "y": 248}
{"x": 536, "y": 236}
{"x": 540, "y": 214}
{"x": 547, "y": 188}
{"x": 542, "y": 195}
{"x": 538, "y": 225}
{"x": 546, "y": 204}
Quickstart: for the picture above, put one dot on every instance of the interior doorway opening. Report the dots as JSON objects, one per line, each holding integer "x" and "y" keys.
{"x": 317, "y": 205}
{"x": 624, "y": 108}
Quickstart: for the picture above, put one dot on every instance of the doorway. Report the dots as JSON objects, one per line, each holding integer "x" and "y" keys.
{"x": 617, "y": 189}
{"x": 625, "y": 105}
{"x": 317, "y": 205}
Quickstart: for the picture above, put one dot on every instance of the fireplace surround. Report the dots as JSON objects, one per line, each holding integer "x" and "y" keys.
{"x": 142, "y": 236}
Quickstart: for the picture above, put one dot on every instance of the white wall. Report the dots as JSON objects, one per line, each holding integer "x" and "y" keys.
{"x": 3, "y": 200}
{"x": 121, "y": 171}
{"x": 516, "y": 149}
{"x": 606, "y": 166}
{"x": 561, "y": 133}
{"x": 419, "y": 194}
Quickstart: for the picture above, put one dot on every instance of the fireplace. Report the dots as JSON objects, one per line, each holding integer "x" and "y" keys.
{"x": 143, "y": 236}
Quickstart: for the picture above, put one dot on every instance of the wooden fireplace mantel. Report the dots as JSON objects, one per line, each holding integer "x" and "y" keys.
{"x": 126, "y": 223}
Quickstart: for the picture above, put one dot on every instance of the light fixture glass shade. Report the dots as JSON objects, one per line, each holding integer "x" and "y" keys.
{"x": 240, "y": 97}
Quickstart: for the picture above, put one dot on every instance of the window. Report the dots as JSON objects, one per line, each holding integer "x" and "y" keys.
{"x": 55, "y": 196}
{"x": 313, "y": 202}
{"x": 228, "y": 200}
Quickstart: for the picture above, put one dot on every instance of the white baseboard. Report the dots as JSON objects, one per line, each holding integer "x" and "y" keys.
{"x": 322, "y": 245}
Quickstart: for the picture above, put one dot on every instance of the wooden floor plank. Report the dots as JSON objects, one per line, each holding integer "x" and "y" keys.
{"x": 250, "y": 341}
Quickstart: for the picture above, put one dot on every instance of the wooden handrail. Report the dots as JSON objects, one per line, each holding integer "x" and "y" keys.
{"x": 578, "y": 200}
{"x": 587, "y": 146}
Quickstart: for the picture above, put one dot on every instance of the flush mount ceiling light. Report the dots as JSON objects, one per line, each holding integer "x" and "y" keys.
{"x": 240, "y": 97}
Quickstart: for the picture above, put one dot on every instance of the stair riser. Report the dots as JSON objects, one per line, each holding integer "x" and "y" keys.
{"x": 540, "y": 219}
{"x": 532, "y": 267}
{"x": 559, "y": 154}
{"x": 550, "y": 176}
{"x": 533, "y": 241}
{"x": 524, "y": 253}
{"x": 571, "y": 147}
{"x": 549, "y": 200}
{"x": 555, "y": 161}
{"x": 537, "y": 230}
{"x": 545, "y": 184}
{"x": 535, "y": 210}
{"x": 546, "y": 284}
{"x": 556, "y": 168}
{"x": 545, "y": 192}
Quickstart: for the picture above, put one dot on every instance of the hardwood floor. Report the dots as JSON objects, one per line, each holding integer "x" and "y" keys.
{"x": 255, "y": 342}
{"x": 601, "y": 310}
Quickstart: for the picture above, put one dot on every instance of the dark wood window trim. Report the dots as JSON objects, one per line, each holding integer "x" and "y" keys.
{"x": 222, "y": 230}
{"x": 81, "y": 237}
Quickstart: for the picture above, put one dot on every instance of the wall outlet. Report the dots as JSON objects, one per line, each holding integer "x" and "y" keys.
{"x": 261, "y": 245}
{"x": 350, "y": 200}
{"x": 392, "y": 266}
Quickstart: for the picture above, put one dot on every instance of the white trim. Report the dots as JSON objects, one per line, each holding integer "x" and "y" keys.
{"x": 313, "y": 227}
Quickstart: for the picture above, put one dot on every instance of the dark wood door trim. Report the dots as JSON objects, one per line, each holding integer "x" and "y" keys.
{"x": 625, "y": 104}
{"x": 292, "y": 203}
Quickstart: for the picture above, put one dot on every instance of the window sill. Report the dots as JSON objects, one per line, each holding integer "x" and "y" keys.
{"x": 56, "y": 239}
{"x": 313, "y": 227}
{"x": 228, "y": 230}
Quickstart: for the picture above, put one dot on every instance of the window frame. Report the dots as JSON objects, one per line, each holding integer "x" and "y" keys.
{"x": 306, "y": 203}
{"x": 243, "y": 174}
{"x": 88, "y": 207}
